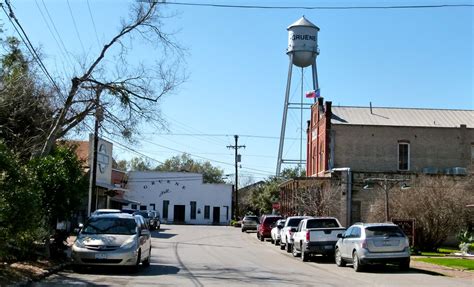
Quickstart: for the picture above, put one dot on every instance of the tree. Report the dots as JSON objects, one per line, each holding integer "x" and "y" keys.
{"x": 127, "y": 94}
{"x": 437, "y": 203}
{"x": 64, "y": 185}
{"x": 25, "y": 110}
{"x": 21, "y": 213}
{"x": 211, "y": 174}
{"x": 139, "y": 164}
{"x": 318, "y": 198}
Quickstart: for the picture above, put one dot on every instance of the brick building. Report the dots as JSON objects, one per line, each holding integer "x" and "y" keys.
{"x": 352, "y": 144}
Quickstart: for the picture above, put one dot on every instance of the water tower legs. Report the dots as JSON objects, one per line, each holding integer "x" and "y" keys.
{"x": 285, "y": 112}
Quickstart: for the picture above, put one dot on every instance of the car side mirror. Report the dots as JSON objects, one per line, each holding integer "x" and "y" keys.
{"x": 81, "y": 225}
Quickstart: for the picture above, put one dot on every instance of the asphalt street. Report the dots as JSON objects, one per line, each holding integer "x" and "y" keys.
{"x": 191, "y": 255}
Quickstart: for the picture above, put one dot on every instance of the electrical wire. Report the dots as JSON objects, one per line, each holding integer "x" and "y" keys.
{"x": 75, "y": 27}
{"x": 93, "y": 23}
{"x": 318, "y": 7}
{"x": 27, "y": 42}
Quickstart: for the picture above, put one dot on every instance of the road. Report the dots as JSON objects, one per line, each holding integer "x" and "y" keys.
{"x": 186, "y": 255}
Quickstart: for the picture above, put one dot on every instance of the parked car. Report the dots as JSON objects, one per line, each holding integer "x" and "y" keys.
{"x": 275, "y": 233}
{"x": 145, "y": 215}
{"x": 264, "y": 227}
{"x": 155, "y": 221}
{"x": 286, "y": 238}
{"x": 316, "y": 235}
{"x": 104, "y": 211}
{"x": 249, "y": 222}
{"x": 115, "y": 239}
{"x": 367, "y": 243}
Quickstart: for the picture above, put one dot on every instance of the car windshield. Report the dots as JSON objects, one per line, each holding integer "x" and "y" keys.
{"x": 142, "y": 213}
{"x": 252, "y": 218}
{"x": 384, "y": 231}
{"x": 322, "y": 223}
{"x": 110, "y": 225}
{"x": 293, "y": 222}
{"x": 271, "y": 220}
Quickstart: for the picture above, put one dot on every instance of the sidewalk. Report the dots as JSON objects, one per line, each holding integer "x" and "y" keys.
{"x": 446, "y": 271}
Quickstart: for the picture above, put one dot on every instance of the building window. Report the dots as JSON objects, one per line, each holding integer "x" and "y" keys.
{"x": 134, "y": 206}
{"x": 207, "y": 212}
{"x": 166, "y": 203}
{"x": 193, "y": 209}
{"x": 152, "y": 206}
{"x": 403, "y": 156}
{"x": 142, "y": 207}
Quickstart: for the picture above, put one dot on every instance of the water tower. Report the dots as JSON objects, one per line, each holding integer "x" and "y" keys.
{"x": 302, "y": 51}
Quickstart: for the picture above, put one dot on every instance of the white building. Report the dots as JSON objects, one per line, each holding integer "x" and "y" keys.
{"x": 180, "y": 197}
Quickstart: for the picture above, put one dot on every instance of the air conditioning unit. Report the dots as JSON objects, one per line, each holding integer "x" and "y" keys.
{"x": 430, "y": 170}
{"x": 459, "y": 170}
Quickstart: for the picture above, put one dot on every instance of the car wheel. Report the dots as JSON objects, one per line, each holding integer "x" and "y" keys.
{"x": 271, "y": 240}
{"x": 78, "y": 268}
{"x": 136, "y": 267}
{"x": 304, "y": 256}
{"x": 338, "y": 258}
{"x": 404, "y": 265}
{"x": 295, "y": 252}
{"x": 243, "y": 230}
{"x": 356, "y": 262}
{"x": 146, "y": 262}
{"x": 262, "y": 238}
{"x": 288, "y": 247}
{"x": 282, "y": 246}
{"x": 277, "y": 242}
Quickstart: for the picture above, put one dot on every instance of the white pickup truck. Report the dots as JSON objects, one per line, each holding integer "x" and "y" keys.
{"x": 317, "y": 235}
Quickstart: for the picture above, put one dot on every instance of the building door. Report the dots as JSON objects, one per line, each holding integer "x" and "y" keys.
{"x": 179, "y": 211}
{"x": 216, "y": 215}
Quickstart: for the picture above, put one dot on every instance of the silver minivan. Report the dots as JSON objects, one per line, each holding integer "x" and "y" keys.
{"x": 114, "y": 239}
{"x": 367, "y": 243}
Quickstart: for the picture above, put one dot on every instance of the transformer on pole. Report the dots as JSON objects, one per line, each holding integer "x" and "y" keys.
{"x": 302, "y": 51}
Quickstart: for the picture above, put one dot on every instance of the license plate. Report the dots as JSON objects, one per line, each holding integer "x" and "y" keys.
{"x": 328, "y": 247}
{"x": 101, "y": 256}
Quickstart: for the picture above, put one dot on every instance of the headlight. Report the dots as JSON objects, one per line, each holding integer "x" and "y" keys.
{"x": 130, "y": 243}
{"x": 79, "y": 243}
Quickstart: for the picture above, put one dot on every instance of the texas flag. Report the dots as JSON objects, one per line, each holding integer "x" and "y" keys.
{"x": 313, "y": 94}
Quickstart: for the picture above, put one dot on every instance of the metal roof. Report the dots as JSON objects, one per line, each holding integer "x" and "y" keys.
{"x": 303, "y": 22}
{"x": 409, "y": 117}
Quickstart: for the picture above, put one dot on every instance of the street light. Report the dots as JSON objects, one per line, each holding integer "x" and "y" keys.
{"x": 386, "y": 184}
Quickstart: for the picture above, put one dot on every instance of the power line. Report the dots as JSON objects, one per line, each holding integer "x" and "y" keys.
{"x": 75, "y": 26}
{"x": 27, "y": 42}
{"x": 216, "y": 135}
{"x": 318, "y": 7}
{"x": 57, "y": 33}
{"x": 93, "y": 23}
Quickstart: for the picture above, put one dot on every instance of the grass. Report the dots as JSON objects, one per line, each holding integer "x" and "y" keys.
{"x": 458, "y": 263}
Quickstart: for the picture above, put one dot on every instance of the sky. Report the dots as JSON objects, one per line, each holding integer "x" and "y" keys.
{"x": 237, "y": 67}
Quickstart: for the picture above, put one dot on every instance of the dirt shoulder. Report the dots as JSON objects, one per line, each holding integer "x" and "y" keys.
{"x": 20, "y": 273}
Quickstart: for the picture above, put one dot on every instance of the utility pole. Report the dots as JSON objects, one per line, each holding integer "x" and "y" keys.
{"x": 237, "y": 160}
{"x": 93, "y": 165}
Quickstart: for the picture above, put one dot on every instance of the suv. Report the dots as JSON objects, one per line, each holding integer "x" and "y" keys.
{"x": 365, "y": 243}
{"x": 265, "y": 226}
{"x": 249, "y": 223}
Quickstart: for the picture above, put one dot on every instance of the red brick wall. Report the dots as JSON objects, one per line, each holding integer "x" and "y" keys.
{"x": 317, "y": 158}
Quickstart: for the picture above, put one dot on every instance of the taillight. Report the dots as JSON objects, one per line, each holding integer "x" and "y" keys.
{"x": 364, "y": 244}
{"x": 307, "y": 235}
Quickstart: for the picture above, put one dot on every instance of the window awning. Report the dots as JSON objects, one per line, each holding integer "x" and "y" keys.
{"x": 124, "y": 201}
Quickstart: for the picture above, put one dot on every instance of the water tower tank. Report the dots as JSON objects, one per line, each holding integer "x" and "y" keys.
{"x": 303, "y": 42}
